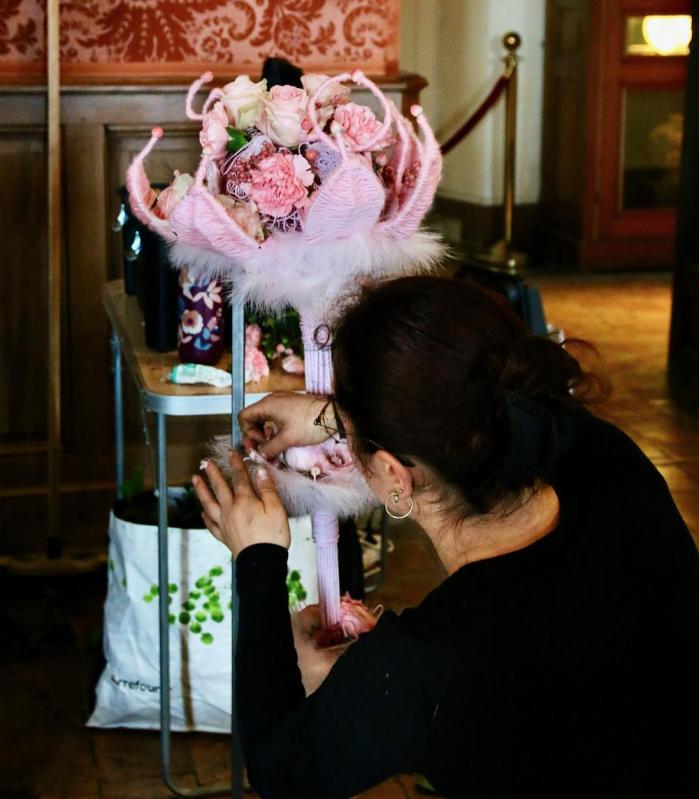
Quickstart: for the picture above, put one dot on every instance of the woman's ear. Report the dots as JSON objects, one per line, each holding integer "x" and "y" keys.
{"x": 391, "y": 474}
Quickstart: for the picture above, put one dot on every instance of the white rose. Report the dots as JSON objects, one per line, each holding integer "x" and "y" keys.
{"x": 285, "y": 111}
{"x": 244, "y": 100}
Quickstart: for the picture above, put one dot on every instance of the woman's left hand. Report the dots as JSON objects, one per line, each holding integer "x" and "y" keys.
{"x": 245, "y": 514}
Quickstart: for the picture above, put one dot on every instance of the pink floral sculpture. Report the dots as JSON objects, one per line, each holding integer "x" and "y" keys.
{"x": 299, "y": 196}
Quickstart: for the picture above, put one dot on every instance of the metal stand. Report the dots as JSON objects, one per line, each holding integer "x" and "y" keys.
{"x": 237, "y": 405}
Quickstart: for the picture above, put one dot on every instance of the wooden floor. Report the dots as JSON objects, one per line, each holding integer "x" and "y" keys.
{"x": 50, "y": 637}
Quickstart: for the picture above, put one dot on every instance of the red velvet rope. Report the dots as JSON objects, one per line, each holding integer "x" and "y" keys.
{"x": 476, "y": 117}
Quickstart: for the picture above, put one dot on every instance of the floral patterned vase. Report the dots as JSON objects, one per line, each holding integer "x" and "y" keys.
{"x": 200, "y": 329}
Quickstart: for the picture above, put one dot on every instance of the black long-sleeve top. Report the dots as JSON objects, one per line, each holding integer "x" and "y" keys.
{"x": 569, "y": 667}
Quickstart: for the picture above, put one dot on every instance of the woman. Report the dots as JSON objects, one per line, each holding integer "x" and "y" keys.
{"x": 559, "y": 657}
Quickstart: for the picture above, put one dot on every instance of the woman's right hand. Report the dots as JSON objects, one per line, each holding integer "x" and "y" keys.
{"x": 282, "y": 420}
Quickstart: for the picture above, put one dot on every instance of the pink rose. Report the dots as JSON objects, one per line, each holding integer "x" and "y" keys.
{"x": 279, "y": 184}
{"x": 169, "y": 197}
{"x": 285, "y": 110}
{"x": 244, "y": 214}
{"x": 359, "y": 124}
{"x": 214, "y": 134}
{"x": 256, "y": 365}
{"x": 333, "y": 94}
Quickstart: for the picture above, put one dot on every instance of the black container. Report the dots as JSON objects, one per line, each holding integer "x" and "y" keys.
{"x": 149, "y": 275}
{"x": 129, "y": 226}
{"x": 160, "y": 282}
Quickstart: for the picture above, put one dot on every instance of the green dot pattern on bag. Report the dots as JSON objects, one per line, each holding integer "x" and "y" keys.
{"x": 203, "y": 602}
{"x": 123, "y": 582}
{"x": 111, "y": 565}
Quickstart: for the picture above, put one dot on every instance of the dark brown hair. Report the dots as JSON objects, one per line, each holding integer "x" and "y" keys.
{"x": 423, "y": 368}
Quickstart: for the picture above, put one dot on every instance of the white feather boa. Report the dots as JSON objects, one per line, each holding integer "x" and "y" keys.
{"x": 310, "y": 276}
{"x": 344, "y": 492}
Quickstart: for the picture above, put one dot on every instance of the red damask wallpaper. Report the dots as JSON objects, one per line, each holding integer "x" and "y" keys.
{"x": 104, "y": 39}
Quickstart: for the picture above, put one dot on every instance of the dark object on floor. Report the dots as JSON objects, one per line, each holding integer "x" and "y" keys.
{"x": 350, "y": 557}
{"x": 280, "y": 72}
{"x": 520, "y": 291}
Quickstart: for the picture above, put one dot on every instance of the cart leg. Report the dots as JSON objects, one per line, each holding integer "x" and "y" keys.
{"x": 163, "y": 605}
{"x": 118, "y": 412}
{"x": 215, "y": 789}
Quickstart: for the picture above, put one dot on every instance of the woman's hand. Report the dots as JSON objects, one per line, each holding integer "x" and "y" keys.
{"x": 282, "y": 420}
{"x": 245, "y": 514}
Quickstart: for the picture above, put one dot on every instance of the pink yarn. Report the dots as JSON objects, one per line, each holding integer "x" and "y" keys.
{"x": 352, "y": 201}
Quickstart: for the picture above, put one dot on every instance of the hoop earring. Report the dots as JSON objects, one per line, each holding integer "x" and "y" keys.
{"x": 395, "y": 496}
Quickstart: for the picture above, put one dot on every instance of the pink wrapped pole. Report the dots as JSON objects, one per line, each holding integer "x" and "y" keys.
{"x": 325, "y": 528}
{"x": 325, "y": 524}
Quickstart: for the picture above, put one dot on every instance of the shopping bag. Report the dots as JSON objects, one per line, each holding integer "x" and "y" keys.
{"x": 200, "y": 604}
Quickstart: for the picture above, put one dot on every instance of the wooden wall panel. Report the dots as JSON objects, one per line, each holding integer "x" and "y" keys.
{"x": 23, "y": 329}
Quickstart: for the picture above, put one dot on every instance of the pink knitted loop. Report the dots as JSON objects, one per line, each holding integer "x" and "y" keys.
{"x": 207, "y": 77}
{"x": 316, "y": 131}
{"x": 141, "y": 194}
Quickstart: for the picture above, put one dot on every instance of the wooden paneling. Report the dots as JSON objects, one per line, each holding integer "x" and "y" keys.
{"x": 23, "y": 324}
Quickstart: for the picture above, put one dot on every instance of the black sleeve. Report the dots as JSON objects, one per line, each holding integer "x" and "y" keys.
{"x": 364, "y": 724}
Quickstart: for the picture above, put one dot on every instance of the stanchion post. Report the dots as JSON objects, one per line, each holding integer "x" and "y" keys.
{"x": 511, "y": 41}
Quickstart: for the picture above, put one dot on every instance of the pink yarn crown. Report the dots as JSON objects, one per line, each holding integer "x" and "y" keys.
{"x": 354, "y": 226}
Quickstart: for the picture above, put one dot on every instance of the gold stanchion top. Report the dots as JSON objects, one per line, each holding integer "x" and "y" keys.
{"x": 511, "y": 41}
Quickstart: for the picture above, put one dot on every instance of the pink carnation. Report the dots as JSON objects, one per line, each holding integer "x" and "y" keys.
{"x": 214, "y": 134}
{"x": 279, "y": 184}
{"x": 359, "y": 124}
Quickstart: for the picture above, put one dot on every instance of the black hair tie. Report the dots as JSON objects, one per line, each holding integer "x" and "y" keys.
{"x": 538, "y": 437}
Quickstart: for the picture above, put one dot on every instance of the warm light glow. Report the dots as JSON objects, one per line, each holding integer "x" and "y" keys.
{"x": 669, "y": 34}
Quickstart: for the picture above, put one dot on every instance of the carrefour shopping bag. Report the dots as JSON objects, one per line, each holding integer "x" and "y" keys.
{"x": 200, "y": 602}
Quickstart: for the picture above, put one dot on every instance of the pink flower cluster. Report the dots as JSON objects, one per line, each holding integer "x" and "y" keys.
{"x": 266, "y": 158}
